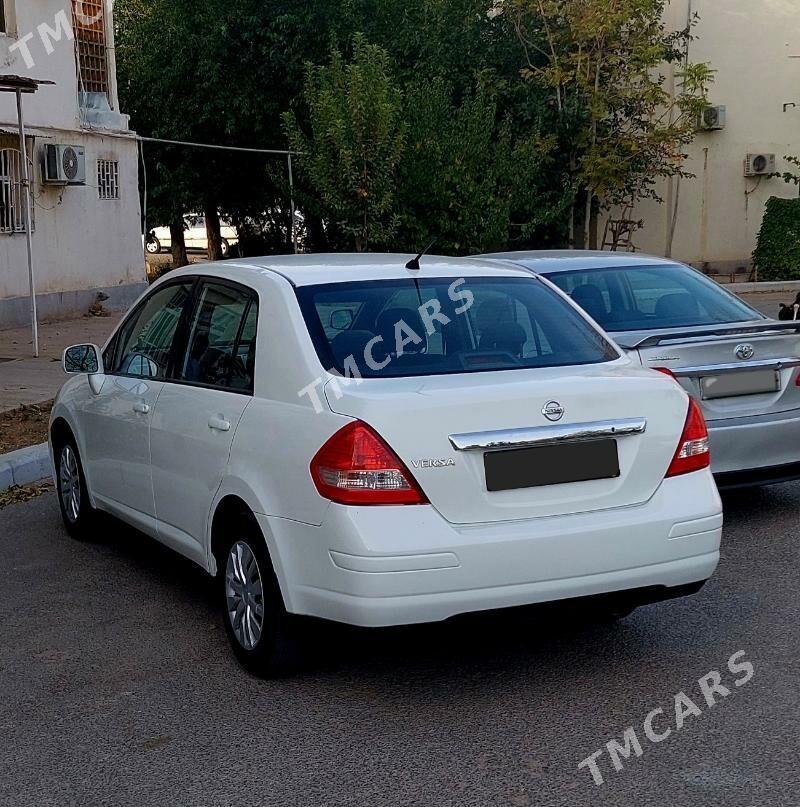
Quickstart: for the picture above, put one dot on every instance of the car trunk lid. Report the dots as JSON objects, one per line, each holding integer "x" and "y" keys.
{"x": 430, "y": 423}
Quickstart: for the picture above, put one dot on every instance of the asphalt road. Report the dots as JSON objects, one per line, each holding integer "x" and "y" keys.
{"x": 117, "y": 688}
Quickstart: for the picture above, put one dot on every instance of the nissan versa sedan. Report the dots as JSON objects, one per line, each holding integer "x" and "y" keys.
{"x": 738, "y": 364}
{"x": 379, "y": 441}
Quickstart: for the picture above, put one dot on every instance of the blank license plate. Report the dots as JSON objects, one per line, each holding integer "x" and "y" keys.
{"x": 551, "y": 465}
{"x": 752, "y": 382}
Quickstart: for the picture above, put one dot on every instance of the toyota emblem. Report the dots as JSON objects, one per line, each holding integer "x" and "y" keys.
{"x": 553, "y": 410}
{"x": 745, "y": 352}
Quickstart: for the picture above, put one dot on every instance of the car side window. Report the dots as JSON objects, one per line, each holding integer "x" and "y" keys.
{"x": 144, "y": 344}
{"x": 222, "y": 339}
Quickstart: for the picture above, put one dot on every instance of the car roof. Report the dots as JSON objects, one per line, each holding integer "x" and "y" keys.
{"x": 306, "y": 270}
{"x": 577, "y": 260}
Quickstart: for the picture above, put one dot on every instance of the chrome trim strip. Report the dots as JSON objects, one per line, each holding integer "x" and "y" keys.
{"x": 739, "y": 367}
{"x": 768, "y": 328}
{"x": 547, "y": 435}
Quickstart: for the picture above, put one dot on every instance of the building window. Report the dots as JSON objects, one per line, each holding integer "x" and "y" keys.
{"x": 108, "y": 179}
{"x": 89, "y": 22}
{"x": 3, "y": 28}
{"x": 12, "y": 191}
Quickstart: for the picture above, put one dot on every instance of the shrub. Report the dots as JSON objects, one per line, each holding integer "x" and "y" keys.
{"x": 777, "y": 253}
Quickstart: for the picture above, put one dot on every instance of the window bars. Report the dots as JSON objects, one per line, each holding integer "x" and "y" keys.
{"x": 12, "y": 195}
{"x": 90, "y": 44}
{"x": 108, "y": 179}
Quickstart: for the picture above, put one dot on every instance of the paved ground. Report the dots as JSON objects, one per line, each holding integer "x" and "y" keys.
{"x": 25, "y": 380}
{"x": 117, "y": 688}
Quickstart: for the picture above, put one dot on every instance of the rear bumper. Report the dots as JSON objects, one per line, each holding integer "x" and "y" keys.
{"x": 400, "y": 565}
{"x": 755, "y": 444}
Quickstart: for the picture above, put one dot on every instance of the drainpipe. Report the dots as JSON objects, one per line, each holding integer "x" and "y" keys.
{"x": 26, "y": 194}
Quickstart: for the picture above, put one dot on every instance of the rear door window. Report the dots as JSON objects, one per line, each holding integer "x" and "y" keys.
{"x": 222, "y": 337}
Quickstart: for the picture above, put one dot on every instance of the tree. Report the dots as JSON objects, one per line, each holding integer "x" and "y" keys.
{"x": 602, "y": 60}
{"x": 463, "y": 174}
{"x": 353, "y": 143}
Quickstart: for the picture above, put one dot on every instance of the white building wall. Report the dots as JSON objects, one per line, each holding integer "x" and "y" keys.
{"x": 755, "y": 49}
{"x": 81, "y": 243}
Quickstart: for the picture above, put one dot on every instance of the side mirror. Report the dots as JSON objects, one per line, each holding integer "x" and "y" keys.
{"x": 341, "y": 319}
{"x": 82, "y": 359}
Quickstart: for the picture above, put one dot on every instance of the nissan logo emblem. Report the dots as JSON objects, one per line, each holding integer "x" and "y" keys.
{"x": 745, "y": 352}
{"x": 553, "y": 410}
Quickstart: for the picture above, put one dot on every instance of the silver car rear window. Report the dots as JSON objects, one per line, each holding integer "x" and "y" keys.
{"x": 640, "y": 298}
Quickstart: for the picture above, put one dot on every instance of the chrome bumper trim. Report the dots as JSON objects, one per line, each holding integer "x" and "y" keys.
{"x": 739, "y": 367}
{"x": 547, "y": 435}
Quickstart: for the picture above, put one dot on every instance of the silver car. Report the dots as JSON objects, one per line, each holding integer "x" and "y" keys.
{"x": 739, "y": 364}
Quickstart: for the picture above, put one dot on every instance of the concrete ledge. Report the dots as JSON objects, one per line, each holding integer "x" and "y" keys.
{"x": 24, "y": 466}
{"x": 15, "y": 311}
{"x": 771, "y": 287}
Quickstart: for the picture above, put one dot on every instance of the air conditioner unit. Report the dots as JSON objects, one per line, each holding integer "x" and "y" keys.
{"x": 712, "y": 119}
{"x": 64, "y": 165}
{"x": 759, "y": 165}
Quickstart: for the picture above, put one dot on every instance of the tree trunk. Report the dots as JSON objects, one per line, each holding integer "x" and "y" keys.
{"x": 177, "y": 233}
{"x": 317, "y": 238}
{"x": 594, "y": 225}
{"x": 213, "y": 234}
{"x": 587, "y": 219}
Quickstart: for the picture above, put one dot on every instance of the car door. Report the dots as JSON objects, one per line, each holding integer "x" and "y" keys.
{"x": 116, "y": 421}
{"x": 199, "y": 409}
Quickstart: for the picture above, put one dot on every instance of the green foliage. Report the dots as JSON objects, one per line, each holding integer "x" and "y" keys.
{"x": 602, "y": 60}
{"x": 355, "y": 140}
{"x": 463, "y": 171}
{"x": 777, "y": 253}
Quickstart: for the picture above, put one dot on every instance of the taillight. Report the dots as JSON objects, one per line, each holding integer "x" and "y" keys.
{"x": 356, "y": 466}
{"x": 693, "y": 452}
{"x": 666, "y": 371}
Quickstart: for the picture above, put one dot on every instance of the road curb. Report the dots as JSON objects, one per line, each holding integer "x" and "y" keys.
{"x": 771, "y": 287}
{"x": 24, "y": 466}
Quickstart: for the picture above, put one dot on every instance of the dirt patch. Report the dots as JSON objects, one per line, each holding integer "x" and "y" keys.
{"x": 23, "y": 493}
{"x": 24, "y": 426}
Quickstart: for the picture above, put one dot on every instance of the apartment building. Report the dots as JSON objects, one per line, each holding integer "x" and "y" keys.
{"x": 86, "y": 226}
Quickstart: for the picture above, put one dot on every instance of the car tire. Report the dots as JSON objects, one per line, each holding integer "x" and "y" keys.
{"x": 153, "y": 246}
{"x": 80, "y": 518}
{"x": 264, "y": 636}
{"x": 224, "y": 248}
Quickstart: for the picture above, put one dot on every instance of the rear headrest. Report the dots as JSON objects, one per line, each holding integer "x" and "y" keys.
{"x": 350, "y": 343}
{"x": 590, "y": 299}
{"x": 386, "y": 324}
{"x": 680, "y": 305}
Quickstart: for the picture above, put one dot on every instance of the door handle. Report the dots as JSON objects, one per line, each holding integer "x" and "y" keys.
{"x": 219, "y": 424}
{"x": 141, "y": 407}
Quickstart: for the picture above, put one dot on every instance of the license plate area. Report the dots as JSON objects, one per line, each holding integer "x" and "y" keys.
{"x": 556, "y": 464}
{"x": 732, "y": 385}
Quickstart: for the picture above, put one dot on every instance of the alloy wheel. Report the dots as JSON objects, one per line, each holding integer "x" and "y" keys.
{"x": 70, "y": 483}
{"x": 244, "y": 595}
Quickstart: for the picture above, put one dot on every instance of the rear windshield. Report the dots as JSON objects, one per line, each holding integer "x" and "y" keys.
{"x": 394, "y": 328}
{"x": 639, "y": 298}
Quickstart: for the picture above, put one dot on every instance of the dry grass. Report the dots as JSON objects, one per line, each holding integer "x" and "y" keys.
{"x": 24, "y": 426}
{"x": 23, "y": 493}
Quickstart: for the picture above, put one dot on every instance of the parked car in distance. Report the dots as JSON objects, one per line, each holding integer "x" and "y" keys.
{"x": 196, "y": 236}
{"x": 741, "y": 366}
{"x": 344, "y": 437}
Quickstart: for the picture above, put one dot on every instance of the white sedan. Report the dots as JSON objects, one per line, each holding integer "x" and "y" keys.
{"x": 371, "y": 441}
{"x": 195, "y": 236}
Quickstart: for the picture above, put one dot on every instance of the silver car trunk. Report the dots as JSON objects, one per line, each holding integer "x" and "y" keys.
{"x": 734, "y": 370}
